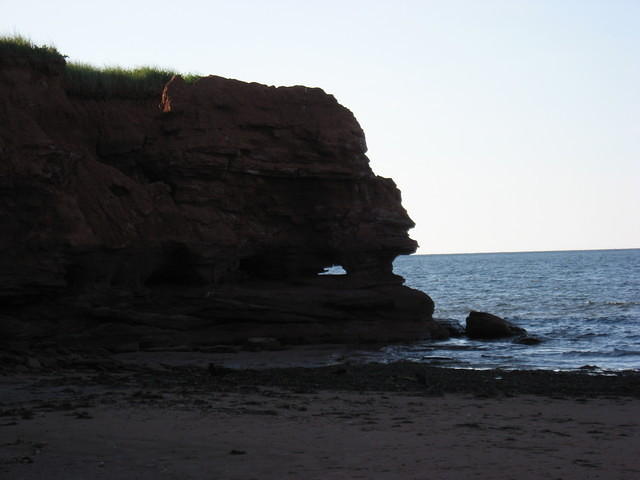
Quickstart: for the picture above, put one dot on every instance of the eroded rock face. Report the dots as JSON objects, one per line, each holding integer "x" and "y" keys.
{"x": 203, "y": 215}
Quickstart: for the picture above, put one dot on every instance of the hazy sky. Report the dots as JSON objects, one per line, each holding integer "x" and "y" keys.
{"x": 508, "y": 125}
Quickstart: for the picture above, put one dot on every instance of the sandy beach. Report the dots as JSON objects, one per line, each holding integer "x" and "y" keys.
{"x": 107, "y": 419}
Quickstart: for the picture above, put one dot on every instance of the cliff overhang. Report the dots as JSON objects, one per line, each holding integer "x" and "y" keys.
{"x": 203, "y": 215}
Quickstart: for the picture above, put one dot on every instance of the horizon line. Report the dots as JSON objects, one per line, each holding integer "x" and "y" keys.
{"x": 532, "y": 251}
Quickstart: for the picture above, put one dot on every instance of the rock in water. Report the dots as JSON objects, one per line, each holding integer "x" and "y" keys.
{"x": 453, "y": 327}
{"x": 202, "y": 222}
{"x": 528, "y": 340}
{"x": 482, "y": 325}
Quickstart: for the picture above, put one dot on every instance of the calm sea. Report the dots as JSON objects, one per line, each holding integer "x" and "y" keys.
{"x": 584, "y": 305}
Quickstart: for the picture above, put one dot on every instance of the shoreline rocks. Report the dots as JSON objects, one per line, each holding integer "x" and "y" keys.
{"x": 485, "y": 326}
{"x": 528, "y": 340}
{"x": 454, "y": 328}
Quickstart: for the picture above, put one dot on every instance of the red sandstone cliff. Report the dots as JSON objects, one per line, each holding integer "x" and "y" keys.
{"x": 200, "y": 217}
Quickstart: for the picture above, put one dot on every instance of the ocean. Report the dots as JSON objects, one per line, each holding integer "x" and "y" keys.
{"x": 584, "y": 305}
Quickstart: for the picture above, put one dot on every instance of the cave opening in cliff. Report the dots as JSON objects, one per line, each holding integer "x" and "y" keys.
{"x": 333, "y": 270}
{"x": 288, "y": 264}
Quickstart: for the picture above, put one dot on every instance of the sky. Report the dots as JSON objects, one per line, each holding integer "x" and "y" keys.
{"x": 508, "y": 125}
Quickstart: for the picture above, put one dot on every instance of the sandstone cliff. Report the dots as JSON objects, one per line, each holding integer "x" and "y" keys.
{"x": 200, "y": 216}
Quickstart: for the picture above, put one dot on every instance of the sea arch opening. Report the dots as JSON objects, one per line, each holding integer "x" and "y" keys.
{"x": 333, "y": 270}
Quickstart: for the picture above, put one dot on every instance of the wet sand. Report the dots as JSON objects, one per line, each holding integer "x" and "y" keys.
{"x": 145, "y": 420}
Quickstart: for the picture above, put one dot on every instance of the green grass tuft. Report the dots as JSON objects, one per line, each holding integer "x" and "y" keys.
{"x": 87, "y": 81}
{"x": 17, "y": 49}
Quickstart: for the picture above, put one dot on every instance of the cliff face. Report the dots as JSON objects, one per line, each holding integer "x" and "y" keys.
{"x": 200, "y": 217}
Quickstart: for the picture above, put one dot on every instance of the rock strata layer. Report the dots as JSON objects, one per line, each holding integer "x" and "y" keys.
{"x": 202, "y": 216}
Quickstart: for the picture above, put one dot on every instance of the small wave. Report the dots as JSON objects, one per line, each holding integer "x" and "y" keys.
{"x": 623, "y": 353}
{"x": 612, "y": 303}
{"x": 591, "y": 335}
{"x": 497, "y": 357}
{"x": 601, "y": 353}
{"x": 582, "y": 353}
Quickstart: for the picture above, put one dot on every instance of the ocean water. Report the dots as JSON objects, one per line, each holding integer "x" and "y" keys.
{"x": 584, "y": 305}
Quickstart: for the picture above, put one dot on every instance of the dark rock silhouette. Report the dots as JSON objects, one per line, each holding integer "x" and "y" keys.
{"x": 482, "y": 325}
{"x": 454, "y": 328}
{"x": 203, "y": 220}
{"x": 528, "y": 340}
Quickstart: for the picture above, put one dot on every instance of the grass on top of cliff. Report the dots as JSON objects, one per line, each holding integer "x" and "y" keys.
{"x": 18, "y": 49}
{"x": 85, "y": 80}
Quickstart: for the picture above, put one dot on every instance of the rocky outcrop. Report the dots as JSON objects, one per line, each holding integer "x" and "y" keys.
{"x": 482, "y": 325}
{"x": 203, "y": 215}
{"x": 453, "y": 327}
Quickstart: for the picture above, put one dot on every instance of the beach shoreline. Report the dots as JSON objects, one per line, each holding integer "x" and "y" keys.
{"x": 109, "y": 418}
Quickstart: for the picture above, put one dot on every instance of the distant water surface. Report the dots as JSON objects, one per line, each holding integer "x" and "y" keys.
{"x": 585, "y": 305}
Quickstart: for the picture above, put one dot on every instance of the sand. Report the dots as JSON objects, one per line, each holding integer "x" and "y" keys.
{"x": 135, "y": 422}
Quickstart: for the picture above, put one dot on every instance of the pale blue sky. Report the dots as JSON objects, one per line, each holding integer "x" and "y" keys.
{"x": 508, "y": 125}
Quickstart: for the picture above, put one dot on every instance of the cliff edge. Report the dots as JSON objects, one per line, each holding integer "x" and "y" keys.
{"x": 199, "y": 216}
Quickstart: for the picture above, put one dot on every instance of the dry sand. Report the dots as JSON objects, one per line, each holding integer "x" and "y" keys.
{"x": 146, "y": 424}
